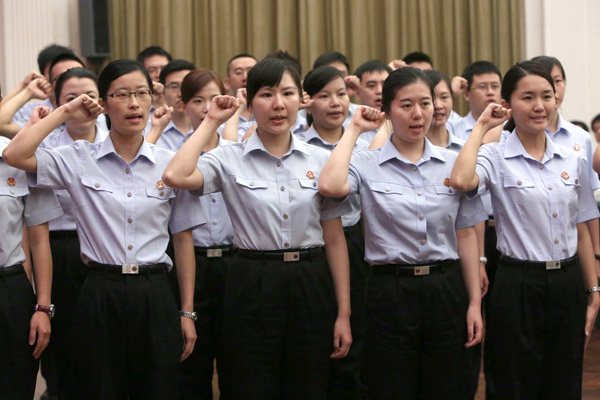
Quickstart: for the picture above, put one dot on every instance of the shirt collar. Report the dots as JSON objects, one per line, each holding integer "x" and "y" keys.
{"x": 107, "y": 147}
{"x": 469, "y": 122}
{"x": 514, "y": 148}
{"x": 389, "y": 151}
{"x": 171, "y": 126}
{"x": 254, "y": 143}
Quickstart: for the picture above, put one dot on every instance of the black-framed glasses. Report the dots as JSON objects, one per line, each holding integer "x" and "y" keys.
{"x": 143, "y": 95}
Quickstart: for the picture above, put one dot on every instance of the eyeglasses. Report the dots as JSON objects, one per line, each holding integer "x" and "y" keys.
{"x": 143, "y": 95}
{"x": 486, "y": 86}
{"x": 173, "y": 86}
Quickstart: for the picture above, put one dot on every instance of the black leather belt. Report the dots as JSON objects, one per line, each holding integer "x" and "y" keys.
{"x": 544, "y": 265}
{"x": 12, "y": 270}
{"x": 414, "y": 269}
{"x": 63, "y": 235}
{"x": 279, "y": 255}
{"x": 129, "y": 269}
{"x": 214, "y": 251}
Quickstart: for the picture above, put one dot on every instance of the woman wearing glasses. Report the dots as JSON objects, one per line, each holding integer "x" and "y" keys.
{"x": 127, "y": 331}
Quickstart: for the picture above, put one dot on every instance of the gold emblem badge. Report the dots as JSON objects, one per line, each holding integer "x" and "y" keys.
{"x": 447, "y": 182}
{"x": 310, "y": 175}
{"x": 160, "y": 185}
{"x": 577, "y": 147}
{"x": 564, "y": 175}
{"x": 11, "y": 181}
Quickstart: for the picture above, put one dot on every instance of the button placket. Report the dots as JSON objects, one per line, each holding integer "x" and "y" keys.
{"x": 555, "y": 225}
{"x": 130, "y": 214}
{"x": 420, "y": 209}
{"x": 283, "y": 191}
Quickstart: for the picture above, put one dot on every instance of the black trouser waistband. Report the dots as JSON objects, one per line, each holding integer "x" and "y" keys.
{"x": 414, "y": 269}
{"x": 205, "y": 251}
{"x": 281, "y": 255}
{"x": 348, "y": 230}
{"x": 131, "y": 268}
{"x": 544, "y": 265}
{"x": 63, "y": 234}
{"x": 12, "y": 270}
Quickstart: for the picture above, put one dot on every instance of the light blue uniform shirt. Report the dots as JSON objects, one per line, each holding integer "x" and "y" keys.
{"x": 273, "y": 203}
{"x": 67, "y": 221}
{"x": 410, "y": 212}
{"x": 19, "y": 203}
{"x": 536, "y": 204}
{"x": 172, "y": 138}
{"x": 311, "y": 136}
{"x": 122, "y": 210}
{"x": 351, "y": 110}
{"x": 218, "y": 231}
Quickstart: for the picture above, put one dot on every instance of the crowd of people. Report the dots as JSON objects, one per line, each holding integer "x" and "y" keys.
{"x": 335, "y": 235}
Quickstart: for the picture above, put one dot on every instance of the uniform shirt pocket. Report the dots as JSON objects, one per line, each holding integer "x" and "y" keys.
{"x": 519, "y": 191}
{"x": 252, "y": 183}
{"x": 309, "y": 184}
{"x": 383, "y": 193}
{"x": 14, "y": 191}
{"x": 162, "y": 194}
{"x": 445, "y": 190}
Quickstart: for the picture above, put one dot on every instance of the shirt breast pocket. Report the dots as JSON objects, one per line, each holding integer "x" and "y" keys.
{"x": 569, "y": 193}
{"x": 94, "y": 190}
{"x": 251, "y": 190}
{"x": 443, "y": 190}
{"x": 520, "y": 192}
{"x": 386, "y": 194}
{"x": 160, "y": 194}
{"x": 14, "y": 191}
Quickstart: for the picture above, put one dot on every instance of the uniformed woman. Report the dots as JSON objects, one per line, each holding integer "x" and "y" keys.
{"x": 68, "y": 269}
{"x": 326, "y": 114}
{"x": 25, "y": 325}
{"x": 423, "y": 296}
{"x": 542, "y": 199}
{"x": 127, "y": 331}
{"x": 280, "y": 324}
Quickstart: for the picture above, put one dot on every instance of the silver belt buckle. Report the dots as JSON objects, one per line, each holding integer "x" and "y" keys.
{"x": 130, "y": 269}
{"x": 553, "y": 264}
{"x": 290, "y": 256}
{"x": 212, "y": 253}
{"x": 422, "y": 270}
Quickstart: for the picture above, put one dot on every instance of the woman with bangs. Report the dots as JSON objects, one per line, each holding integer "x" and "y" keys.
{"x": 290, "y": 266}
{"x": 544, "y": 299}
{"x": 423, "y": 298}
{"x": 127, "y": 334}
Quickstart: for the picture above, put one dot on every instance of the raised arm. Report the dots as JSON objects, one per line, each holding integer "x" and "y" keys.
{"x": 20, "y": 152}
{"x": 38, "y": 88}
{"x": 160, "y": 119}
{"x": 463, "y": 176}
{"x": 333, "y": 181}
{"x": 181, "y": 173}
{"x": 382, "y": 135}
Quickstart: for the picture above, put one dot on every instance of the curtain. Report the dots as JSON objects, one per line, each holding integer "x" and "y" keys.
{"x": 209, "y": 32}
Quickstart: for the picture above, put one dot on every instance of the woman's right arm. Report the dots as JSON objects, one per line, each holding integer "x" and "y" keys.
{"x": 463, "y": 176}
{"x": 333, "y": 181}
{"x": 37, "y": 88}
{"x": 181, "y": 173}
{"x": 20, "y": 152}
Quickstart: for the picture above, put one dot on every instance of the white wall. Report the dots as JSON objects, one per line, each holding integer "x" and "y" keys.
{"x": 568, "y": 30}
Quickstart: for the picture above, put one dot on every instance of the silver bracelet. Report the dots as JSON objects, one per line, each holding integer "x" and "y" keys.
{"x": 191, "y": 315}
{"x": 483, "y": 260}
{"x": 592, "y": 289}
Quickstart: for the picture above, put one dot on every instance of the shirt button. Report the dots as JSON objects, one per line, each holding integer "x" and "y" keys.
{"x": 127, "y": 170}
{"x": 285, "y": 216}
{"x": 419, "y": 193}
{"x": 12, "y": 191}
{"x": 541, "y": 166}
{"x": 130, "y": 247}
{"x": 555, "y": 241}
{"x": 449, "y": 190}
{"x": 129, "y": 220}
{"x": 251, "y": 183}
{"x": 279, "y": 163}
{"x": 286, "y": 245}
{"x": 422, "y": 241}
{"x": 214, "y": 222}
{"x": 421, "y": 217}
{"x": 554, "y": 215}
{"x": 519, "y": 183}
{"x": 283, "y": 188}
{"x": 314, "y": 184}
{"x": 414, "y": 168}
{"x": 97, "y": 185}
{"x": 549, "y": 187}
{"x": 387, "y": 189}
{"x": 576, "y": 181}
{"x": 214, "y": 200}
{"x": 129, "y": 194}
{"x": 161, "y": 193}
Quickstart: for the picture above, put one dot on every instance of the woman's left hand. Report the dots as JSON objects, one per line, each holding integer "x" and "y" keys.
{"x": 474, "y": 325}
{"x": 161, "y": 117}
{"x": 188, "y": 330}
{"x": 591, "y": 314}
{"x": 342, "y": 337}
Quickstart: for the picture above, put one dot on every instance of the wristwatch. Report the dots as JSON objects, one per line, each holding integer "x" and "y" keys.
{"x": 483, "y": 260}
{"x": 46, "y": 309}
{"x": 592, "y": 289}
{"x": 191, "y": 315}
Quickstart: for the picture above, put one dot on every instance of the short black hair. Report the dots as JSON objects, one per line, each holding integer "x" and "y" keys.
{"x": 397, "y": 80}
{"x": 61, "y": 58}
{"x": 331, "y": 57}
{"x": 436, "y": 77}
{"x": 152, "y": 51}
{"x": 372, "y": 66}
{"x": 49, "y": 53}
{"x": 316, "y": 80}
{"x": 479, "y": 68}
{"x": 595, "y": 120}
{"x": 549, "y": 63}
{"x": 241, "y": 55}
{"x": 72, "y": 73}
{"x": 174, "y": 66}
{"x": 268, "y": 73}
{"x": 287, "y": 58}
{"x": 417, "y": 56}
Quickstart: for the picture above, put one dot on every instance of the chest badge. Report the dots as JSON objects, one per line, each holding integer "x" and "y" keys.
{"x": 577, "y": 147}
{"x": 160, "y": 185}
{"x": 310, "y": 175}
{"x": 11, "y": 181}
{"x": 447, "y": 182}
{"x": 564, "y": 175}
